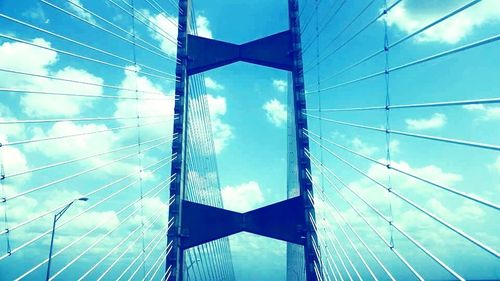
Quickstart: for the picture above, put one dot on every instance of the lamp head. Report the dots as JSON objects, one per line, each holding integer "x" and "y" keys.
{"x": 83, "y": 199}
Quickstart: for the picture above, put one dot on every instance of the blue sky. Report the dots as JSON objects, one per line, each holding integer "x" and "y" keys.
{"x": 248, "y": 112}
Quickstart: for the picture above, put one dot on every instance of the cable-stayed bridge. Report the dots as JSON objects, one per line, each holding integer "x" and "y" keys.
{"x": 111, "y": 141}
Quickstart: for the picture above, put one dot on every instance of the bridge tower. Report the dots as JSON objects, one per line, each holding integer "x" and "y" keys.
{"x": 290, "y": 220}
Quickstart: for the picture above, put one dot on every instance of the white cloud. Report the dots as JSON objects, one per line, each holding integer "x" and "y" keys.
{"x": 409, "y": 16}
{"x": 90, "y": 144}
{"x": 150, "y": 206}
{"x": 207, "y": 186}
{"x": 79, "y": 11}
{"x": 77, "y": 146}
{"x": 222, "y": 132}
{"x": 163, "y": 31}
{"x": 37, "y": 105}
{"x": 40, "y": 61}
{"x": 34, "y": 59}
{"x": 12, "y": 131}
{"x": 473, "y": 107}
{"x": 496, "y": 165}
{"x": 448, "y": 207}
{"x": 27, "y": 207}
{"x": 437, "y": 120}
{"x": 37, "y": 13}
{"x": 243, "y": 197}
{"x": 203, "y": 26}
{"x": 280, "y": 85}
{"x": 488, "y": 113}
{"x": 13, "y": 158}
{"x": 363, "y": 148}
{"x": 275, "y": 112}
{"x": 212, "y": 84}
{"x": 160, "y": 106}
{"x": 161, "y": 24}
{"x": 394, "y": 146}
{"x": 216, "y": 105}
{"x": 402, "y": 182}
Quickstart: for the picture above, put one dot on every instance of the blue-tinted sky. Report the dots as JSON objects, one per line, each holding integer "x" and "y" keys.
{"x": 249, "y": 110}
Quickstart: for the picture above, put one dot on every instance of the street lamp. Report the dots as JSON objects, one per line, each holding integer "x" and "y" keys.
{"x": 56, "y": 218}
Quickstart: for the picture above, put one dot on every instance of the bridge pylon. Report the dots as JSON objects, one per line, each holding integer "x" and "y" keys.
{"x": 290, "y": 220}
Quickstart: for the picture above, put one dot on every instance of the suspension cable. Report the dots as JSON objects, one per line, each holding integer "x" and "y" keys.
{"x": 478, "y": 43}
{"x": 163, "y": 255}
{"x": 308, "y": 173}
{"x": 82, "y": 119}
{"x": 462, "y": 8}
{"x": 24, "y": 245}
{"x": 158, "y": 28}
{"x": 317, "y": 251}
{"x": 101, "y": 239}
{"x": 108, "y": 269}
{"x": 170, "y": 77}
{"x": 37, "y": 92}
{"x": 7, "y": 230}
{"x": 138, "y": 256}
{"x": 356, "y": 34}
{"x": 78, "y": 82}
{"x": 155, "y": 50}
{"x": 391, "y": 247}
{"x": 330, "y": 203}
{"x": 36, "y": 140}
{"x": 403, "y": 133}
{"x": 151, "y": 251}
{"x": 409, "y": 237}
{"x": 161, "y": 186}
{"x": 332, "y": 16}
{"x": 65, "y": 38}
{"x": 351, "y": 22}
{"x": 162, "y": 261}
{"x": 418, "y": 207}
{"x": 471, "y": 197}
{"x": 414, "y": 105}
{"x": 123, "y": 209}
{"x": 161, "y": 10}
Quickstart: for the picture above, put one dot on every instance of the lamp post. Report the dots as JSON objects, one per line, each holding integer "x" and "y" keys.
{"x": 56, "y": 218}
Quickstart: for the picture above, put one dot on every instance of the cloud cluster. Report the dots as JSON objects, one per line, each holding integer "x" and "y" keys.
{"x": 243, "y": 197}
{"x": 280, "y": 85}
{"x": 33, "y": 106}
{"x": 496, "y": 165}
{"x": 211, "y": 84}
{"x": 37, "y": 13}
{"x": 409, "y": 16}
{"x": 276, "y": 112}
{"x": 221, "y": 131}
{"x": 160, "y": 24}
{"x": 437, "y": 121}
{"x": 13, "y": 159}
{"x": 162, "y": 29}
{"x": 488, "y": 113}
{"x": 75, "y": 6}
{"x": 363, "y": 148}
{"x": 40, "y": 61}
{"x": 414, "y": 222}
{"x": 203, "y": 27}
